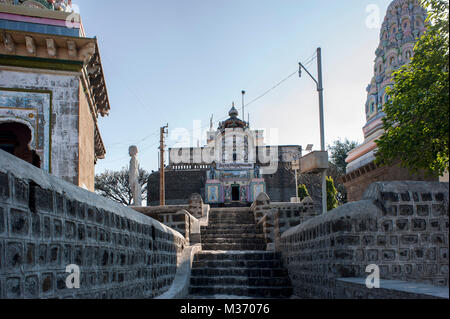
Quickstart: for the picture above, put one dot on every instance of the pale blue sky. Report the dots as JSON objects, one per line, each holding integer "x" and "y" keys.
{"x": 176, "y": 61}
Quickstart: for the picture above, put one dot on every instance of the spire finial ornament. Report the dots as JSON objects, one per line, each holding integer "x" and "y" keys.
{"x": 233, "y": 112}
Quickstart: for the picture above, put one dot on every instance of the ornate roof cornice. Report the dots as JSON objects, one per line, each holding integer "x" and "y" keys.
{"x": 54, "y": 52}
{"x": 39, "y": 48}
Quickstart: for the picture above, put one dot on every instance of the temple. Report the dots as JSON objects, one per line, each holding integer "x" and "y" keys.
{"x": 403, "y": 25}
{"x": 52, "y": 89}
{"x": 232, "y": 169}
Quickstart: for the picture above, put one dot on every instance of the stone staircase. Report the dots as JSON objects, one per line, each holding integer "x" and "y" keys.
{"x": 233, "y": 260}
{"x": 232, "y": 229}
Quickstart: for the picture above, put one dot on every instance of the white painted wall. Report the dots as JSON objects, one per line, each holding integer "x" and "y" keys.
{"x": 64, "y": 114}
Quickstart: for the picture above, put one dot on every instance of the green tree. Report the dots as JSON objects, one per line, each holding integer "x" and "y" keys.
{"x": 338, "y": 153}
{"x": 417, "y": 114}
{"x": 302, "y": 192}
{"x": 332, "y": 193}
{"x": 115, "y": 185}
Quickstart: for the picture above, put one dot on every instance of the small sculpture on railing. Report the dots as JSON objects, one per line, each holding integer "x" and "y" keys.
{"x": 133, "y": 177}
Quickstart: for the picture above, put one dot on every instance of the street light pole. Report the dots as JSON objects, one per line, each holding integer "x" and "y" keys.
{"x": 162, "y": 183}
{"x": 322, "y": 129}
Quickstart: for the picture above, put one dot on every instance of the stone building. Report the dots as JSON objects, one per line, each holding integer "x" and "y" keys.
{"x": 233, "y": 168}
{"x": 52, "y": 89}
{"x": 403, "y": 24}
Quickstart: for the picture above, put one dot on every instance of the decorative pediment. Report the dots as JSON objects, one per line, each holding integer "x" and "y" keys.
{"x": 41, "y": 4}
{"x": 57, "y": 5}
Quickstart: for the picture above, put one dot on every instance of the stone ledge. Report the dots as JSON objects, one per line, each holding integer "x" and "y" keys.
{"x": 180, "y": 286}
{"x": 389, "y": 289}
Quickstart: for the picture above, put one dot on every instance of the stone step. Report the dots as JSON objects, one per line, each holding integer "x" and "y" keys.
{"x": 257, "y": 292}
{"x": 238, "y": 255}
{"x": 235, "y": 210}
{"x": 237, "y": 231}
{"x": 237, "y": 263}
{"x": 234, "y": 214}
{"x": 240, "y": 281}
{"x": 219, "y": 246}
{"x": 230, "y": 222}
{"x": 228, "y": 235}
{"x": 238, "y": 272}
{"x": 232, "y": 240}
{"x": 233, "y": 236}
{"x": 232, "y": 227}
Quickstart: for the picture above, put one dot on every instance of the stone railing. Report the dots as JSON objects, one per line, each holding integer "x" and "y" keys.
{"x": 276, "y": 218}
{"x": 47, "y": 224}
{"x": 176, "y": 218}
{"x": 402, "y": 227}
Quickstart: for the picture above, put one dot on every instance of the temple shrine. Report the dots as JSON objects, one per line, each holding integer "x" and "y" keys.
{"x": 52, "y": 89}
{"x": 232, "y": 169}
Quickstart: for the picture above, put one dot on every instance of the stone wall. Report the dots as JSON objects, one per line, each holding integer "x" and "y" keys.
{"x": 280, "y": 186}
{"x": 47, "y": 223}
{"x": 180, "y": 185}
{"x": 174, "y": 217}
{"x": 275, "y": 218}
{"x": 359, "y": 180}
{"x": 355, "y": 288}
{"x": 55, "y": 99}
{"x": 86, "y": 170}
{"x": 400, "y": 226}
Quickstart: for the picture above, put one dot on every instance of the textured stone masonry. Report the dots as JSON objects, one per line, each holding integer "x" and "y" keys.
{"x": 400, "y": 226}
{"x": 47, "y": 224}
{"x": 174, "y": 217}
{"x": 276, "y": 218}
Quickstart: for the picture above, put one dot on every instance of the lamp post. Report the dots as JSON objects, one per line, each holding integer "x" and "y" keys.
{"x": 296, "y": 167}
{"x": 322, "y": 133}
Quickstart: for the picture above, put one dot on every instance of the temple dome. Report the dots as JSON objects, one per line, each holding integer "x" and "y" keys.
{"x": 233, "y": 112}
{"x": 233, "y": 121}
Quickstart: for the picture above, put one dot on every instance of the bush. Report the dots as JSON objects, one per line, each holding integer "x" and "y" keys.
{"x": 302, "y": 192}
{"x": 332, "y": 193}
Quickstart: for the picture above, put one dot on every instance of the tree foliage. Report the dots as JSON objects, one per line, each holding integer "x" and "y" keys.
{"x": 115, "y": 185}
{"x": 338, "y": 153}
{"x": 417, "y": 115}
{"x": 332, "y": 193}
{"x": 302, "y": 192}
{"x": 337, "y": 167}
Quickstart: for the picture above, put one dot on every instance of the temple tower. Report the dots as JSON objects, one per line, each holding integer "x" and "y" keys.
{"x": 403, "y": 25}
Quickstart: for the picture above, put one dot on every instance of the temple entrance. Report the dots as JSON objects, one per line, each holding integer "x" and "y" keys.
{"x": 235, "y": 194}
{"x": 14, "y": 139}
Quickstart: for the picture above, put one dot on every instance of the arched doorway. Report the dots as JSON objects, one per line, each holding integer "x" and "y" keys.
{"x": 15, "y": 138}
{"x": 235, "y": 193}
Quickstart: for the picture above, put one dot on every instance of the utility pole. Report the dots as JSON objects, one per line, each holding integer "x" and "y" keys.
{"x": 162, "y": 186}
{"x": 322, "y": 130}
{"x": 243, "y": 105}
{"x": 296, "y": 167}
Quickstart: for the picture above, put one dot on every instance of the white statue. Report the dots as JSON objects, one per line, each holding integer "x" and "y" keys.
{"x": 133, "y": 178}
